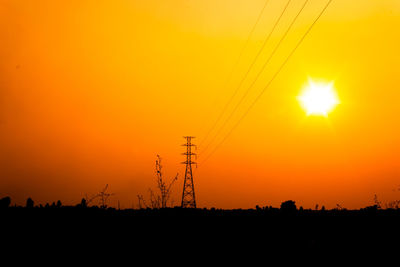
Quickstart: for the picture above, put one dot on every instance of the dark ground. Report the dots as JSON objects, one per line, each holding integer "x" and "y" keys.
{"x": 177, "y": 231}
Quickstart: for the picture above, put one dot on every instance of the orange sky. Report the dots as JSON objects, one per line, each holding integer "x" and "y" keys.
{"x": 91, "y": 91}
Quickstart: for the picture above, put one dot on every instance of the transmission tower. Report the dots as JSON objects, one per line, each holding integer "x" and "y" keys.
{"x": 188, "y": 198}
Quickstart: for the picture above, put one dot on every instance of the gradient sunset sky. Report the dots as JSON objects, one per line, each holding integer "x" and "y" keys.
{"x": 92, "y": 90}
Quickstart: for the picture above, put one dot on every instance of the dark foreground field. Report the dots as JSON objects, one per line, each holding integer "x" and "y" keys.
{"x": 178, "y": 231}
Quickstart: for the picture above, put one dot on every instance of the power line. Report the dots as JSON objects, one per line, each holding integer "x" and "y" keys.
{"x": 272, "y": 79}
{"x": 260, "y": 72}
{"x": 232, "y": 71}
{"x": 269, "y": 83}
{"x": 247, "y": 73}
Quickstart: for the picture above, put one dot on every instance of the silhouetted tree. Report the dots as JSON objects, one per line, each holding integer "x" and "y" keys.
{"x": 5, "y": 202}
{"x": 103, "y": 197}
{"x": 155, "y": 201}
{"x": 29, "y": 203}
{"x": 288, "y": 205}
{"x": 377, "y": 202}
{"x": 158, "y": 200}
{"x": 142, "y": 202}
{"x": 59, "y": 204}
{"x": 323, "y": 208}
{"x": 393, "y": 204}
{"x": 83, "y": 203}
{"x": 165, "y": 191}
{"x": 339, "y": 207}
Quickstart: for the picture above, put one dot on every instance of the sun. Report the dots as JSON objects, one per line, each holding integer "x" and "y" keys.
{"x": 318, "y": 98}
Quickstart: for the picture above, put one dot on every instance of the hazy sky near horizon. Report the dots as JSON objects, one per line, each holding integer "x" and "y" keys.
{"x": 91, "y": 91}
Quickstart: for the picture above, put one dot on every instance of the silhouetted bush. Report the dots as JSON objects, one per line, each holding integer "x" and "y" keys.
{"x": 373, "y": 208}
{"x": 5, "y": 202}
{"x": 288, "y": 206}
{"x": 29, "y": 203}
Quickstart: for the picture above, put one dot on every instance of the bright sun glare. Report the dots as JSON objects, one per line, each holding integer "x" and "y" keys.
{"x": 318, "y": 98}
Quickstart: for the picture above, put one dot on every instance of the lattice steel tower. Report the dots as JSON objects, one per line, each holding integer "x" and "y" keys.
{"x": 188, "y": 198}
